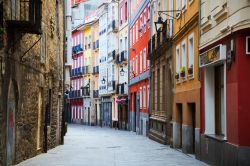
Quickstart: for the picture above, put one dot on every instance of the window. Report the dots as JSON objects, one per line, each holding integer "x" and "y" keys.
{"x": 141, "y": 26}
{"x": 133, "y": 65}
{"x": 145, "y": 21}
{"x": 184, "y": 4}
{"x": 126, "y": 11}
{"x": 148, "y": 97}
{"x": 248, "y": 45}
{"x": 177, "y": 67}
{"x": 183, "y": 54}
{"x": 178, "y": 13}
{"x": 136, "y": 64}
{"x": 140, "y": 97}
{"x": 144, "y": 97}
{"x": 121, "y": 15}
{"x": 136, "y": 31}
{"x": 131, "y": 39}
{"x": 145, "y": 58}
{"x": 141, "y": 62}
{"x": 134, "y": 34}
{"x": 191, "y": 50}
{"x": 149, "y": 12}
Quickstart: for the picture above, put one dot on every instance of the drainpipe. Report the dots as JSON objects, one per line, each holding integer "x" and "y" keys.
{"x": 129, "y": 118}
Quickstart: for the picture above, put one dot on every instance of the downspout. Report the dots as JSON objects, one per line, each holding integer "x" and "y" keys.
{"x": 63, "y": 109}
{"x": 199, "y": 73}
{"x": 129, "y": 118}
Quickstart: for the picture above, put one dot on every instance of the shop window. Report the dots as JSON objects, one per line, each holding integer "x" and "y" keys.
{"x": 248, "y": 45}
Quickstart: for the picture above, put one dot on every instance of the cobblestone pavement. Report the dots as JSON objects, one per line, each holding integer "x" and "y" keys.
{"x": 95, "y": 146}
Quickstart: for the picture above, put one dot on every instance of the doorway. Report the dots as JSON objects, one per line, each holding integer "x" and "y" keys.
{"x": 179, "y": 121}
{"x": 191, "y": 108}
{"x": 219, "y": 101}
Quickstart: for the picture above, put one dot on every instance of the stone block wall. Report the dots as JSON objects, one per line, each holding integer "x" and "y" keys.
{"x": 28, "y": 77}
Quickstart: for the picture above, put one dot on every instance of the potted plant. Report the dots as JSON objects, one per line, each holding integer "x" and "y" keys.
{"x": 190, "y": 70}
{"x": 177, "y": 76}
{"x": 183, "y": 72}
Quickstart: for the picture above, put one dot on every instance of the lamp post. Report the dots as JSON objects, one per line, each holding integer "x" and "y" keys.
{"x": 122, "y": 72}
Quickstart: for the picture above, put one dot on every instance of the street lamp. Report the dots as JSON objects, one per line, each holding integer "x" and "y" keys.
{"x": 103, "y": 80}
{"x": 159, "y": 24}
{"x": 122, "y": 72}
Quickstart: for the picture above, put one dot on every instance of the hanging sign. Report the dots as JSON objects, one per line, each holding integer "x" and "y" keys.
{"x": 213, "y": 56}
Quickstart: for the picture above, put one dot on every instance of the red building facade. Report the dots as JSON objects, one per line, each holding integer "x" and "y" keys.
{"x": 139, "y": 69}
{"x": 226, "y": 133}
{"x": 76, "y": 77}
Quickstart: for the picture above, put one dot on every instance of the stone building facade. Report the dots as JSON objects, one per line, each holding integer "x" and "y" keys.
{"x": 160, "y": 56}
{"x": 31, "y": 79}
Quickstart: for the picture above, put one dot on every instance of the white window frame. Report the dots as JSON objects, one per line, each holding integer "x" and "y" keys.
{"x": 145, "y": 59}
{"x": 247, "y": 40}
{"x": 136, "y": 31}
{"x": 141, "y": 25}
{"x": 178, "y": 7}
{"x": 149, "y": 11}
{"x": 144, "y": 96}
{"x": 182, "y": 4}
{"x": 183, "y": 55}
{"x": 145, "y": 21}
{"x": 148, "y": 90}
{"x": 189, "y": 49}
{"x": 140, "y": 61}
{"x": 136, "y": 64}
{"x": 177, "y": 59}
{"x": 140, "y": 97}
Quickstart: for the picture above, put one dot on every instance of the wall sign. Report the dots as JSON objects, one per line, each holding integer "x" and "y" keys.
{"x": 213, "y": 56}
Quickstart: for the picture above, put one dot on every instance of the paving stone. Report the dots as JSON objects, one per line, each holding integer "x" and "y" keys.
{"x": 95, "y": 146}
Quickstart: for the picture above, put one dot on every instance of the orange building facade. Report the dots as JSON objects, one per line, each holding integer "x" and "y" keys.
{"x": 186, "y": 102}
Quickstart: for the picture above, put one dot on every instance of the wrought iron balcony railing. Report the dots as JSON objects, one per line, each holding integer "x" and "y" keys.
{"x": 24, "y": 16}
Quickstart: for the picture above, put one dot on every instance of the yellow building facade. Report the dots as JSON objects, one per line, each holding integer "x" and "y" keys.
{"x": 186, "y": 102}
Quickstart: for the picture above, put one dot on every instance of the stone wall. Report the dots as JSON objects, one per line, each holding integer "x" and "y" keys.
{"x": 28, "y": 78}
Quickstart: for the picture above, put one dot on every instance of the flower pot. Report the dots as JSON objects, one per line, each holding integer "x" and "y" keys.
{"x": 183, "y": 74}
{"x": 177, "y": 76}
{"x": 190, "y": 71}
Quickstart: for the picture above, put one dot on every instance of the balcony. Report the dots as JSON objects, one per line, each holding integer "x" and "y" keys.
{"x": 96, "y": 70}
{"x": 95, "y": 93}
{"x": 111, "y": 56}
{"x": 24, "y": 16}
{"x": 85, "y": 92}
{"x": 75, "y": 94}
{"x": 76, "y": 72}
{"x": 114, "y": 26}
{"x": 161, "y": 41}
{"x": 85, "y": 70}
{"x": 122, "y": 57}
{"x": 120, "y": 89}
{"x": 76, "y": 49}
{"x": 111, "y": 86}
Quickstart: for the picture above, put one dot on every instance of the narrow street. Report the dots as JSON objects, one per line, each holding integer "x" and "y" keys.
{"x": 95, "y": 146}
